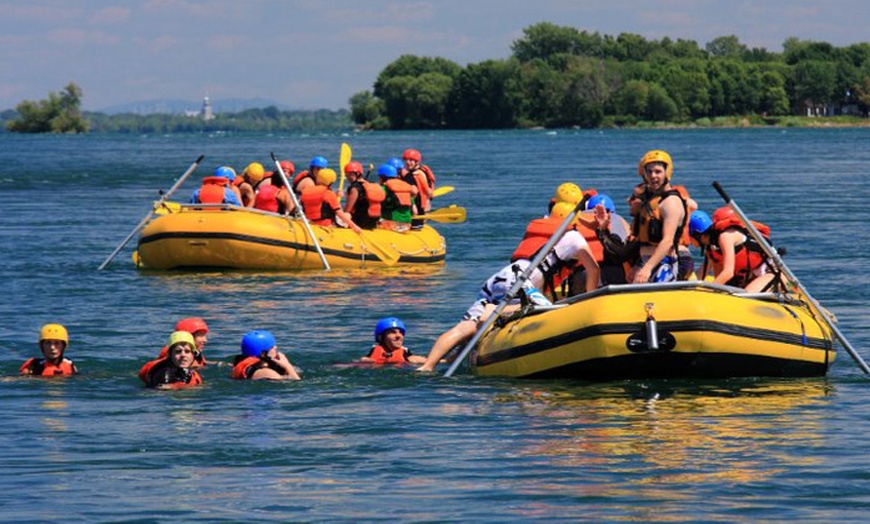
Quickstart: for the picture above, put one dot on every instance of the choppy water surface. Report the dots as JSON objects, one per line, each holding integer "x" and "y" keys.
{"x": 349, "y": 444}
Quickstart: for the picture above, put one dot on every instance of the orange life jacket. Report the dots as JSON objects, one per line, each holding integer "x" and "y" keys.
{"x": 159, "y": 365}
{"x": 299, "y": 177}
{"x": 648, "y": 224}
{"x": 374, "y": 196}
{"x": 418, "y": 176}
{"x": 146, "y": 369}
{"x": 379, "y": 355}
{"x": 748, "y": 256}
{"x": 39, "y": 367}
{"x": 685, "y": 239}
{"x": 212, "y": 190}
{"x": 430, "y": 176}
{"x": 319, "y": 204}
{"x": 267, "y": 198}
{"x": 241, "y": 366}
{"x": 401, "y": 189}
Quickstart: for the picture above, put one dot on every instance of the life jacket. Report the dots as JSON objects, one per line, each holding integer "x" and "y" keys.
{"x": 648, "y": 224}
{"x": 267, "y": 199}
{"x": 299, "y": 177}
{"x": 161, "y": 372}
{"x": 397, "y": 204}
{"x": 748, "y": 256}
{"x": 39, "y": 367}
{"x": 368, "y": 206}
{"x": 213, "y": 190}
{"x": 244, "y": 367}
{"x": 318, "y": 206}
{"x": 379, "y": 355}
{"x": 401, "y": 190}
{"x": 537, "y": 234}
{"x": 685, "y": 239}
{"x": 422, "y": 183}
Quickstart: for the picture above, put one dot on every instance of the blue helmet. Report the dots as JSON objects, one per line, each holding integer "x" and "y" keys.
{"x": 397, "y": 163}
{"x": 320, "y": 162}
{"x": 386, "y": 170}
{"x": 386, "y": 324}
{"x": 256, "y": 342}
{"x": 699, "y": 222}
{"x": 225, "y": 172}
{"x": 601, "y": 199}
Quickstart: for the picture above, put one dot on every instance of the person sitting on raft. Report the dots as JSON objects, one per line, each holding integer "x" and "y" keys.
{"x": 397, "y": 209}
{"x": 389, "y": 345}
{"x": 570, "y": 249}
{"x": 735, "y": 258}
{"x": 320, "y": 203}
{"x": 53, "y": 341}
{"x": 423, "y": 179}
{"x": 307, "y": 179}
{"x": 216, "y": 189}
{"x": 261, "y": 360}
{"x": 176, "y": 371}
{"x": 252, "y": 178}
{"x": 364, "y": 198}
{"x": 275, "y": 197}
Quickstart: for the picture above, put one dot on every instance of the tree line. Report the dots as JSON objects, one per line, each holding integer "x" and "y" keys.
{"x": 561, "y": 77}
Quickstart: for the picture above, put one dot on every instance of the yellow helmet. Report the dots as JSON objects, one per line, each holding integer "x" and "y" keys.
{"x": 255, "y": 172}
{"x": 54, "y": 332}
{"x": 326, "y": 177}
{"x": 178, "y": 337}
{"x": 656, "y": 155}
{"x": 562, "y": 210}
{"x": 569, "y": 192}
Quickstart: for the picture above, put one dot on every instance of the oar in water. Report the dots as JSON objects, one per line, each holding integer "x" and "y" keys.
{"x": 343, "y": 160}
{"x": 388, "y": 255}
{"x": 773, "y": 255}
{"x": 512, "y": 292}
{"x": 451, "y": 214}
{"x": 299, "y": 212}
{"x": 154, "y": 208}
{"x": 442, "y": 190}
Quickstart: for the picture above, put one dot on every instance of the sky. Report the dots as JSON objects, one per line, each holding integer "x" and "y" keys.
{"x": 311, "y": 54}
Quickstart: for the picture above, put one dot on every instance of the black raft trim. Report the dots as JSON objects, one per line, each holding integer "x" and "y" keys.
{"x": 280, "y": 243}
{"x": 628, "y": 328}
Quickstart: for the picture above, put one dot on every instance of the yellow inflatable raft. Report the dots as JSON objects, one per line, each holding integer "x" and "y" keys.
{"x": 198, "y": 236}
{"x": 682, "y": 329}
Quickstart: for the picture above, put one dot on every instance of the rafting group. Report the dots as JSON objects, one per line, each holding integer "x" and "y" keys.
{"x": 405, "y": 189}
{"x": 598, "y": 247}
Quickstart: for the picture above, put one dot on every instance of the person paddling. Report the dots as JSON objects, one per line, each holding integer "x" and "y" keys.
{"x": 53, "y": 341}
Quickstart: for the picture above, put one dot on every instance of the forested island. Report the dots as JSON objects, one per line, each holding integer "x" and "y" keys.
{"x": 556, "y": 77}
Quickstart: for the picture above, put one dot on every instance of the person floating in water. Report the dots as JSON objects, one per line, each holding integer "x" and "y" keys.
{"x": 53, "y": 341}
{"x": 389, "y": 345}
{"x": 176, "y": 370}
{"x": 261, "y": 360}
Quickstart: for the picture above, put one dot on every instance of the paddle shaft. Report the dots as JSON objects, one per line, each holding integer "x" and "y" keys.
{"x": 145, "y": 220}
{"x": 299, "y": 211}
{"x": 773, "y": 255}
{"x": 521, "y": 280}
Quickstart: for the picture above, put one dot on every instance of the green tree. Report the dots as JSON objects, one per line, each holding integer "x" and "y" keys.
{"x": 486, "y": 95}
{"x": 365, "y": 108}
{"x": 815, "y": 82}
{"x": 660, "y": 106}
{"x": 61, "y": 113}
{"x": 545, "y": 39}
{"x": 726, "y": 46}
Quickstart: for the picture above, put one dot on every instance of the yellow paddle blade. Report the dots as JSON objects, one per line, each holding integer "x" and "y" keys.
{"x": 441, "y": 191}
{"x": 166, "y": 207}
{"x": 387, "y": 254}
{"x": 452, "y": 214}
{"x": 343, "y": 160}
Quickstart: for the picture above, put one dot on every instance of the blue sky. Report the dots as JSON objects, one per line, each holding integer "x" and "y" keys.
{"x": 316, "y": 53}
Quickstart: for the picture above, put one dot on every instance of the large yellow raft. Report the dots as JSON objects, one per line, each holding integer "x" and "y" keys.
{"x": 681, "y": 329}
{"x": 188, "y": 236}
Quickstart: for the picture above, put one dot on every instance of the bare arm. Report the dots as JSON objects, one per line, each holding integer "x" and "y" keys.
{"x": 672, "y": 215}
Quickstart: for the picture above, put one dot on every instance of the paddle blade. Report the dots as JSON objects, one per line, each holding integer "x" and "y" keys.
{"x": 451, "y": 214}
{"x": 343, "y": 160}
{"x": 387, "y": 254}
{"x": 441, "y": 191}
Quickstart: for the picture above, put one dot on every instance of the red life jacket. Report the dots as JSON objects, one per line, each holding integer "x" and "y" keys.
{"x": 267, "y": 198}
{"x": 401, "y": 189}
{"x": 748, "y": 256}
{"x": 419, "y": 179}
{"x": 299, "y": 177}
{"x": 159, "y": 365}
{"x": 241, "y": 367}
{"x": 39, "y": 367}
{"x": 319, "y": 204}
{"x": 369, "y": 199}
{"x": 430, "y": 176}
{"x": 146, "y": 369}
{"x": 212, "y": 190}
{"x": 379, "y": 355}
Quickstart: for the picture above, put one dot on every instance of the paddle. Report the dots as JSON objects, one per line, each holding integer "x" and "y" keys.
{"x": 299, "y": 212}
{"x": 773, "y": 255}
{"x": 154, "y": 208}
{"x": 441, "y": 191}
{"x": 343, "y": 160}
{"x": 451, "y": 214}
{"x": 542, "y": 254}
{"x": 388, "y": 255}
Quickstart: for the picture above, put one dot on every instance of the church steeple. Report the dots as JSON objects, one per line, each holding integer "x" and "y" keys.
{"x": 206, "y": 109}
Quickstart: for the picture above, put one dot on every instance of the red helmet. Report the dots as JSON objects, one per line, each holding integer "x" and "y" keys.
{"x": 722, "y": 214}
{"x": 412, "y": 154}
{"x": 353, "y": 167}
{"x": 191, "y": 325}
{"x": 287, "y": 166}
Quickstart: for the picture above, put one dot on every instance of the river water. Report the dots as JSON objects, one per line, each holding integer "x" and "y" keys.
{"x": 349, "y": 444}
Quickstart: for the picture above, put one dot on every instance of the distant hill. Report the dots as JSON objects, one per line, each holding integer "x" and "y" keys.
{"x": 175, "y": 107}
